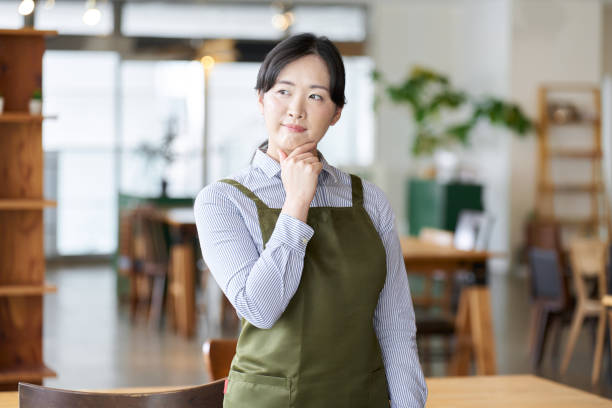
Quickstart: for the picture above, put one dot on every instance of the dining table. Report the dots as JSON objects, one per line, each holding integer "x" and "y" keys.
{"x": 473, "y": 322}
{"x": 182, "y": 268}
{"x": 503, "y": 391}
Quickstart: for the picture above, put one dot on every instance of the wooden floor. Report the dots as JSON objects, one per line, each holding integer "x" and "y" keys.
{"x": 91, "y": 343}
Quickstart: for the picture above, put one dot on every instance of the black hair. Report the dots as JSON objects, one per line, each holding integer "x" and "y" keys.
{"x": 298, "y": 46}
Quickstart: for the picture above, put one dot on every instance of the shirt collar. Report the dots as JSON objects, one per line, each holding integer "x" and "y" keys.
{"x": 271, "y": 167}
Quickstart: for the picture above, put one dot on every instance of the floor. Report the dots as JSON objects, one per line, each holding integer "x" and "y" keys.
{"x": 91, "y": 343}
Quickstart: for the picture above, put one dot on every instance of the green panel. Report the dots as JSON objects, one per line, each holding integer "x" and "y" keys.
{"x": 127, "y": 201}
{"x": 460, "y": 196}
{"x": 425, "y": 198}
{"x": 437, "y": 205}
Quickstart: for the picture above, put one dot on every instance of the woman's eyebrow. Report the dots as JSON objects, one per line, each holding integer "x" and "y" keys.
{"x": 311, "y": 86}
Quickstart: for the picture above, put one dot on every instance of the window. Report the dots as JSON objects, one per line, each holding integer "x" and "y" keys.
{"x": 9, "y": 17}
{"x": 157, "y": 19}
{"x": 67, "y": 18}
{"x": 159, "y": 97}
{"x": 80, "y": 87}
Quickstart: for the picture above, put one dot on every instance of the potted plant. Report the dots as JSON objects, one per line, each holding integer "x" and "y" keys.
{"x": 433, "y": 101}
{"x": 162, "y": 152}
{"x": 1, "y": 103}
{"x": 36, "y": 102}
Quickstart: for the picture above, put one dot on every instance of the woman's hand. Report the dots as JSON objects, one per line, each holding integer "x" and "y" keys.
{"x": 299, "y": 173}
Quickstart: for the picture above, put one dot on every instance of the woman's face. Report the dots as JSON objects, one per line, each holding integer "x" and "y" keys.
{"x": 298, "y": 109}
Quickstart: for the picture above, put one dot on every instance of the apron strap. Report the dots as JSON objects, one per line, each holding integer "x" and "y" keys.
{"x": 246, "y": 192}
{"x": 357, "y": 188}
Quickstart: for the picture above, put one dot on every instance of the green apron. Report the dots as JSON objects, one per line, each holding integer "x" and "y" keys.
{"x": 323, "y": 350}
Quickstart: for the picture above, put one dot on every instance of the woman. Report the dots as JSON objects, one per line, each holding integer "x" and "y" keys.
{"x": 309, "y": 256}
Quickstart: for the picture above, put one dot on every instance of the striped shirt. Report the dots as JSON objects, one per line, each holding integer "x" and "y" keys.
{"x": 261, "y": 282}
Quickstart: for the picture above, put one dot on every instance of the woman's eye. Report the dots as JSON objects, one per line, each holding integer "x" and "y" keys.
{"x": 283, "y": 91}
{"x": 316, "y": 97}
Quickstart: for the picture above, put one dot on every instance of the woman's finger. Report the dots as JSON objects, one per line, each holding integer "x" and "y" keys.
{"x": 302, "y": 149}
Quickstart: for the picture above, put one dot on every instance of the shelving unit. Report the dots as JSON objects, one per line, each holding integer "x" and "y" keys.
{"x": 582, "y": 145}
{"x": 22, "y": 260}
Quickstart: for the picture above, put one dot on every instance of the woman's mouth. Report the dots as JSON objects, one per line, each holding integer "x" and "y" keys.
{"x": 295, "y": 128}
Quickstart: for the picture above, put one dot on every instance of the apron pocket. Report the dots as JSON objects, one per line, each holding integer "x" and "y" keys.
{"x": 257, "y": 391}
{"x": 379, "y": 393}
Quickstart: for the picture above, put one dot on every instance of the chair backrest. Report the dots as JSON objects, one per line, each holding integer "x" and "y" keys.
{"x": 547, "y": 280}
{"x": 436, "y": 236}
{"x": 203, "y": 396}
{"x": 589, "y": 259}
{"x": 473, "y": 230}
{"x": 150, "y": 236}
{"x": 218, "y": 355}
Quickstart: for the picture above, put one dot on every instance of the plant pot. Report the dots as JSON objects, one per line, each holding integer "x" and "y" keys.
{"x": 1, "y": 104}
{"x": 447, "y": 165}
{"x": 35, "y": 106}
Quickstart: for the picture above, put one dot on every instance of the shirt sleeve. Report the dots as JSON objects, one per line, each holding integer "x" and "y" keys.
{"x": 394, "y": 321}
{"x": 259, "y": 285}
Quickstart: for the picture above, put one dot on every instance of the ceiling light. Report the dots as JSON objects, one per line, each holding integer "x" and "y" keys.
{"x": 280, "y": 22}
{"x": 26, "y": 7}
{"x": 92, "y": 15}
{"x": 207, "y": 62}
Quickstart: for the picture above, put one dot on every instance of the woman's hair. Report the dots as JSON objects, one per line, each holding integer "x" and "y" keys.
{"x": 298, "y": 46}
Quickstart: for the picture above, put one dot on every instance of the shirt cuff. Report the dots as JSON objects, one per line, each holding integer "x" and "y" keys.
{"x": 292, "y": 232}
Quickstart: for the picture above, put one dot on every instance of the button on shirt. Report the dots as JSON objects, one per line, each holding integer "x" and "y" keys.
{"x": 261, "y": 282}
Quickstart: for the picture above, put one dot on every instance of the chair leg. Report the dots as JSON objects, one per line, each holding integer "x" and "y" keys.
{"x": 573, "y": 336}
{"x": 601, "y": 331}
{"x": 543, "y": 325}
{"x": 157, "y": 301}
{"x": 533, "y": 330}
{"x": 556, "y": 347}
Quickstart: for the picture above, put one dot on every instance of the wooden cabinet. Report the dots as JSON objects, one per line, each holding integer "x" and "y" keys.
{"x": 22, "y": 260}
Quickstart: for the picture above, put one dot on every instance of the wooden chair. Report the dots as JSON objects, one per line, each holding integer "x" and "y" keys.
{"x": 427, "y": 299}
{"x": 588, "y": 259}
{"x": 151, "y": 260}
{"x": 606, "y": 302}
{"x": 203, "y": 396}
{"x": 218, "y": 355}
{"x": 550, "y": 299}
{"x": 433, "y": 313}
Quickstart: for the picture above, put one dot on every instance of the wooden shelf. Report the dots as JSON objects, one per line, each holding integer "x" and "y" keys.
{"x": 575, "y": 153}
{"x": 26, "y": 290}
{"x": 28, "y": 31}
{"x": 19, "y": 204}
{"x": 580, "y": 122}
{"x": 25, "y": 373}
{"x": 585, "y": 87}
{"x": 23, "y": 117}
{"x": 573, "y": 221}
{"x": 571, "y": 188}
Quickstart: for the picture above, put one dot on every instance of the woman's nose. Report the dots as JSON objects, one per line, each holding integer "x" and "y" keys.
{"x": 296, "y": 110}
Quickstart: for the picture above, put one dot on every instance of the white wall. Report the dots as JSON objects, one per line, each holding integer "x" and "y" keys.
{"x": 404, "y": 34}
{"x": 607, "y": 38}
{"x": 467, "y": 40}
{"x": 552, "y": 40}
{"x": 500, "y": 47}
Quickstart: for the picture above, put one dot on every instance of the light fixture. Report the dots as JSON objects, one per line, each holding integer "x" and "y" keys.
{"x": 26, "y": 7}
{"x": 283, "y": 17}
{"x": 92, "y": 15}
{"x": 49, "y": 4}
{"x": 280, "y": 22}
{"x": 207, "y": 62}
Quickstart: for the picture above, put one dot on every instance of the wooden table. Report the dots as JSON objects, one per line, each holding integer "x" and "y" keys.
{"x": 474, "y": 327}
{"x": 512, "y": 391}
{"x": 182, "y": 266}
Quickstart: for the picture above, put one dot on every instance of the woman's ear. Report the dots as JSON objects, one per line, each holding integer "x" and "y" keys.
{"x": 336, "y": 116}
{"x": 260, "y": 96}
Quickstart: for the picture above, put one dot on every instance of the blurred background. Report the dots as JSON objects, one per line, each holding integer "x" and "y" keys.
{"x": 498, "y": 110}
